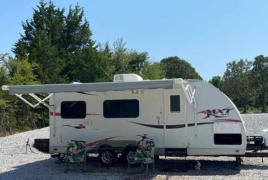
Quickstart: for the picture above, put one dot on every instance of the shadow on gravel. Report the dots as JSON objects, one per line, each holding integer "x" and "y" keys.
{"x": 53, "y": 169}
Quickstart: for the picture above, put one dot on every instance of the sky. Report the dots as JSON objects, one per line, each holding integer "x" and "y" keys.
{"x": 208, "y": 33}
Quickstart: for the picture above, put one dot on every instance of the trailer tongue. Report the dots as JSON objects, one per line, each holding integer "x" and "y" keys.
{"x": 257, "y": 145}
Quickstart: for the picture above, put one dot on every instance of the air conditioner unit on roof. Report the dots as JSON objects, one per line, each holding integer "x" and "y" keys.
{"x": 127, "y": 78}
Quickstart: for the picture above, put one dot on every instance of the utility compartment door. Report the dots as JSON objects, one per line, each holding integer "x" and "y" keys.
{"x": 175, "y": 119}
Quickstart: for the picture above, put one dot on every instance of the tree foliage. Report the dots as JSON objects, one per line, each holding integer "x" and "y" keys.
{"x": 217, "y": 82}
{"x": 237, "y": 82}
{"x": 124, "y": 60}
{"x": 260, "y": 78}
{"x": 15, "y": 115}
{"x": 245, "y": 82}
{"x": 152, "y": 71}
{"x": 61, "y": 45}
{"x": 174, "y": 67}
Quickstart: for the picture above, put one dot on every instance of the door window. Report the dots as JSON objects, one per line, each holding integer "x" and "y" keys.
{"x": 174, "y": 103}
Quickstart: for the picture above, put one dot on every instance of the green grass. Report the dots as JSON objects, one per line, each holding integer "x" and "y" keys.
{"x": 250, "y": 110}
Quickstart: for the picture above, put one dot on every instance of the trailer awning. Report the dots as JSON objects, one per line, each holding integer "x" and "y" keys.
{"x": 90, "y": 87}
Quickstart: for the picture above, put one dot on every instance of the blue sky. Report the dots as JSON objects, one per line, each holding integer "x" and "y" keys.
{"x": 208, "y": 33}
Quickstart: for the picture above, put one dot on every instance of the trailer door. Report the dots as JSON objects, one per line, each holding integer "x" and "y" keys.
{"x": 151, "y": 120}
{"x": 175, "y": 119}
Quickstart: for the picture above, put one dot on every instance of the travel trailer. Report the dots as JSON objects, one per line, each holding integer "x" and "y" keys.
{"x": 183, "y": 117}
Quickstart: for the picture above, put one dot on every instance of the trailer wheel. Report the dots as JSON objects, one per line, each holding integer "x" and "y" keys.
{"x": 107, "y": 157}
{"x": 61, "y": 156}
{"x": 128, "y": 155}
{"x": 131, "y": 157}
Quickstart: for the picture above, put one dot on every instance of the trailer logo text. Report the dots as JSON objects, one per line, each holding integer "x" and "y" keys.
{"x": 217, "y": 113}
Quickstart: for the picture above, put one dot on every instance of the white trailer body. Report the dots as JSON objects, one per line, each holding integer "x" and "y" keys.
{"x": 183, "y": 117}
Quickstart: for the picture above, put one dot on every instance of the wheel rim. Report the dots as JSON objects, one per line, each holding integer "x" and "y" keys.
{"x": 130, "y": 157}
{"x": 107, "y": 157}
{"x": 61, "y": 155}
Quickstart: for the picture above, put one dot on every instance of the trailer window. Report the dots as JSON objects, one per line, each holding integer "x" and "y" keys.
{"x": 228, "y": 139}
{"x": 128, "y": 108}
{"x": 73, "y": 109}
{"x": 174, "y": 103}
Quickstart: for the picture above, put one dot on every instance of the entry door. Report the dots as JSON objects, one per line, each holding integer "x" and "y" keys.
{"x": 175, "y": 119}
{"x": 151, "y": 120}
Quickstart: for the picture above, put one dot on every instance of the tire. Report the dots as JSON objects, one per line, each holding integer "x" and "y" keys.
{"x": 107, "y": 157}
{"x": 61, "y": 156}
{"x": 128, "y": 155}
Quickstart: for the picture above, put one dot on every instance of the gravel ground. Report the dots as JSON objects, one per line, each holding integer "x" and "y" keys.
{"x": 15, "y": 163}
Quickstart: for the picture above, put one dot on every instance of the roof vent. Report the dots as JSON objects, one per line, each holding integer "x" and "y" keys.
{"x": 127, "y": 78}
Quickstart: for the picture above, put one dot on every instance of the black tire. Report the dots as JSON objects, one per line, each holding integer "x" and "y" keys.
{"x": 61, "y": 156}
{"x": 128, "y": 155}
{"x": 107, "y": 157}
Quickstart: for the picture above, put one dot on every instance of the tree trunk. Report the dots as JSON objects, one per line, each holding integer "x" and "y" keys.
{"x": 245, "y": 108}
{"x": 263, "y": 101}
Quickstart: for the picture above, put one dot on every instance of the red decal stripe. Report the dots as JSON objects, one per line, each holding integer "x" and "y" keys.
{"x": 230, "y": 120}
{"x": 80, "y": 126}
{"x": 56, "y": 113}
{"x": 90, "y": 114}
{"x": 97, "y": 142}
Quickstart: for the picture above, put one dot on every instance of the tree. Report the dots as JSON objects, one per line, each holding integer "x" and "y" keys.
{"x": 42, "y": 42}
{"x": 136, "y": 61}
{"x": 16, "y": 72}
{"x": 260, "y": 77}
{"x": 127, "y": 61}
{"x": 15, "y": 115}
{"x": 237, "y": 83}
{"x": 61, "y": 45}
{"x": 105, "y": 53}
{"x": 3, "y": 71}
{"x": 152, "y": 71}
{"x": 119, "y": 58}
{"x": 174, "y": 67}
{"x": 217, "y": 82}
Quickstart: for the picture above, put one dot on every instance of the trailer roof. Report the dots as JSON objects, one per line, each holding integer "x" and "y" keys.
{"x": 89, "y": 87}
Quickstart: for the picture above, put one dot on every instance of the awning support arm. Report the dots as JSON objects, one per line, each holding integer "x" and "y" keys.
{"x": 40, "y": 101}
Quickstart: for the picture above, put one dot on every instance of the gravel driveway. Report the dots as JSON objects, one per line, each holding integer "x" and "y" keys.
{"x": 15, "y": 163}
